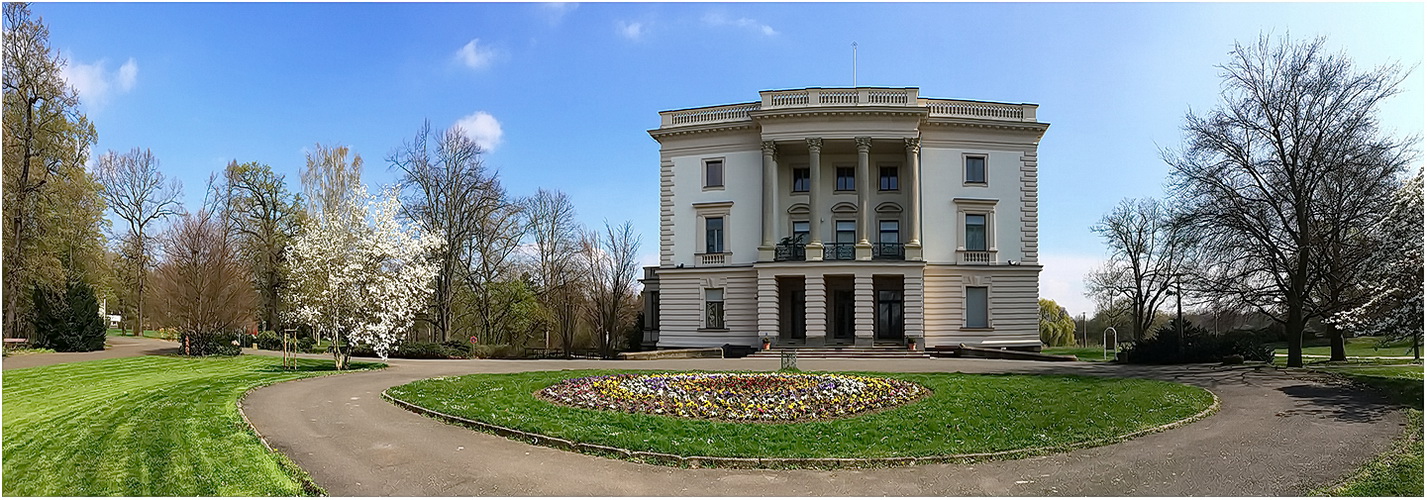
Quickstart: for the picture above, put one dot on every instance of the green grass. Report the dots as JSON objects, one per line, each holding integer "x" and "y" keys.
{"x": 965, "y": 414}
{"x": 151, "y": 334}
{"x": 1398, "y": 472}
{"x": 1083, "y": 353}
{"x": 143, "y": 426}
{"x": 1353, "y": 347}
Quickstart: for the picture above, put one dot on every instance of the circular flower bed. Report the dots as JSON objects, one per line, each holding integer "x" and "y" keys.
{"x": 738, "y": 397}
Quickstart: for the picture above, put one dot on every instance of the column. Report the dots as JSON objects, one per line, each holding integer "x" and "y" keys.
{"x": 770, "y": 200}
{"x": 864, "y": 199}
{"x": 864, "y": 310}
{"x": 768, "y": 307}
{"x": 816, "y": 309}
{"x": 914, "y": 198}
{"x": 815, "y": 209}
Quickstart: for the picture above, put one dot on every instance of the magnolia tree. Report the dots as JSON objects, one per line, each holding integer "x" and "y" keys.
{"x": 1392, "y": 279}
{"x": 358, "y": 276}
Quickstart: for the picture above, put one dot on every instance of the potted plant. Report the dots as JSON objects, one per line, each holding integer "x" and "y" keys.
{"x": 767, "y": 344}
{"x": 911, "y": 343}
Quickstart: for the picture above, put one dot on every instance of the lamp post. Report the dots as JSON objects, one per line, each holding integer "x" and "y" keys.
{"x": 1178, "y": 294}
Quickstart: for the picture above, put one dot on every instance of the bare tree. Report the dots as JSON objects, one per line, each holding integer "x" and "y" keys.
{"x": 203, "y": 288}
{"x": 613, "y": 266}
{"x": 1251, "y": 171}
{"x": 329, "y": 178}
{"x": 44, "y": 134}
{"x": 558, "y": 276}
{"x": 447, "y": 190}
{"x": 1146, "y": 256}
{"x": 140, "y": 195}
{"x": 489, "y": 262}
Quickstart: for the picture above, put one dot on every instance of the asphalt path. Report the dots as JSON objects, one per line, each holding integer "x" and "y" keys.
{"x": 1276, "y": 434}
{"x": 119, "y": 347}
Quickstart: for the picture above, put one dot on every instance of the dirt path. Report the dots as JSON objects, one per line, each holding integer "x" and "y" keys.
{"x": 1276, "y": 435}
{"x": 120, "y": 347}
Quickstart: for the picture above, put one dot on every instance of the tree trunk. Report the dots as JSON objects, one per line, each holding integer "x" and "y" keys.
{"x": 1335, "y": 338}
{"x": 1294, "y": 331}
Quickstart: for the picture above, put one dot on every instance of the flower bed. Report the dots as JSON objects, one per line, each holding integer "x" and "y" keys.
{"x": 735, "y": 397}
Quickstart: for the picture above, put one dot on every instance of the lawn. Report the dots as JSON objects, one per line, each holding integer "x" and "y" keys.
{"x": 1353, "y": 347}
{"x": 965, "y": 414}
{"x": 143, "y": 426}
{"x": 151, "y": 334}
{"x": 1093, "y": 353}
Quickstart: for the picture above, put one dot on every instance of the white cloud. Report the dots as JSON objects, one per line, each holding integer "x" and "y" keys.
{"x": 482, "y": 128}
{"x": 474, "y": 55}
{"x": 97, "y": 85}
{"x": 718, "y": 19}
{"x": 556, "y": 11}
{"x": 1063, "y": 280}
{"x": 632, "y": 31}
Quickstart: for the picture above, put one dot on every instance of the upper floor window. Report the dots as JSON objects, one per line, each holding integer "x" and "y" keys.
{"x": 713, "y": 174}
{"x": 846, "y": 231}
{"x": 887, "y": 180}
{"x": 713, "y": 308}
{"x": 976, "y": 169}
{"x": 846, "y": 179}
{"x": 800, "y": 231}
{"x": 976, "y": 232}
{"x": 802, "y": 179}
{"x": 887, "y": 232}
{"x": 713, "y": 235}
{"x": 977, "y": 314}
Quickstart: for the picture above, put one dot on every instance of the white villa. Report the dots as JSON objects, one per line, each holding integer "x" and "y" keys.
{"x": 846, "y": 216}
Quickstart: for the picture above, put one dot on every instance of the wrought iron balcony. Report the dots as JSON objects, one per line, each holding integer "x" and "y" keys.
{"x": 839, "y": 251}
{"x": 790, "y": 252}
{"x": 889, "y": 251}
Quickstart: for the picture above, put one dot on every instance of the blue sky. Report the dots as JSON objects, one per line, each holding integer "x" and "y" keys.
{"x": 572, "y": 88}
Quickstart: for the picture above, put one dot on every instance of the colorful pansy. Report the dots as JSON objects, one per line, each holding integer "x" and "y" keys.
{"x": 741, "y": 397}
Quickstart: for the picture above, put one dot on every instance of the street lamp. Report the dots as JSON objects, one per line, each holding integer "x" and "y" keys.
{"x": 1178, "y": 294}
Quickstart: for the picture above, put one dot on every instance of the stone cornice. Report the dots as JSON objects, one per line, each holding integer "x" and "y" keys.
{"x": 660, "y": 133}
{"x": 1038, "y": 127}
{"x": 790, "y": 113}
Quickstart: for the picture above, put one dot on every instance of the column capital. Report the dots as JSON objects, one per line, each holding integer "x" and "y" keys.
{"x": 864, "y": 144}
{"x": 770, "y": 147}
{"x": 815, "y": 144}
{"x": 914, "y": 144}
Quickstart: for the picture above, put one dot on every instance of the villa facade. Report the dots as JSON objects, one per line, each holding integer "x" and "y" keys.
{"x": 846, "y": 216}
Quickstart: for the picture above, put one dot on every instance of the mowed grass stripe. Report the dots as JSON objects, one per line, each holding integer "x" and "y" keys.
{"x": 145, "y": 426}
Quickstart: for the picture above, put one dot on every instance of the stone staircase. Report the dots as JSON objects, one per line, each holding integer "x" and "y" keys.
{"x": 850, "y": 352}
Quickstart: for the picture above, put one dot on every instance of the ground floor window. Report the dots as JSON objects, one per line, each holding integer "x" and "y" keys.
{"x": 976, "y": 311}
{"x": 713, "y": 308}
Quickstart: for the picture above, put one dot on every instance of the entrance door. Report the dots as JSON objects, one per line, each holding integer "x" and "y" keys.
{"x": 842, "y": 314}
{"x": 889, "y": 315}
{"x": 797, "y": 315}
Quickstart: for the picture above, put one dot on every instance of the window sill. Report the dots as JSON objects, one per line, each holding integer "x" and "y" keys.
{"x": 844, "y": 191}
{"x": 973, "y": 184}
{"x": 713, "y": 188}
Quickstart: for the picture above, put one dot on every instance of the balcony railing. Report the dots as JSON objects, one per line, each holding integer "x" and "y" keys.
{"x": 976, "y": 257}
{"x": 790, "y": 252}
{"x": 714, "y": 259}
{"x": 843, "y": 97}
{"x": 889, "y": 251}
{"x": 839, "y": 251}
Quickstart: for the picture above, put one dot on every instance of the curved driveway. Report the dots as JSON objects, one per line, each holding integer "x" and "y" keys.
{"x": 1275, "y": 435}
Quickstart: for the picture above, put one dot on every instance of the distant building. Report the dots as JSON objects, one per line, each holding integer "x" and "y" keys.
{"x": 846, "y": 216}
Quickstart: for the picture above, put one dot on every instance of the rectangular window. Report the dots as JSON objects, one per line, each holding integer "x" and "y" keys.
{"x": 713, "y": 173}
{"x": 846, "y": 179}
{"x": 653, "y": 310}
{"x": 800, "y": 232}
{"x": 887, "y": 181}
{"x": 976, "y": 169}
{"x": 713, "y": 235}
{"x": 887, "y": 232}
{"x": 976, "y": 232}
{"x": 976, "y": 313}
{"x": 846, "y": 231}
{"x": 802, "y": 179}
{"x": 713, "y": 308}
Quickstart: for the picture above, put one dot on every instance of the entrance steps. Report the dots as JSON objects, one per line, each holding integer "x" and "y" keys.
{"x": 849, "y": 352}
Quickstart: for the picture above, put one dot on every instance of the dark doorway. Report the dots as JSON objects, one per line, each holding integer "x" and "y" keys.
{"x": 890, "y": 324}
{"x": 793, "y": 306}
{"x": 841, "y": 305}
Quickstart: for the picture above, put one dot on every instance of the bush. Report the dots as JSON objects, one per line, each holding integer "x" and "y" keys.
{"x": 213, "y": 344}
{"x": 420, "y": 350}
{"x": 306, "y": 343}
{"x": 68, "y": 322}
{"x": 1199, "y": 347}
{"x": 499, "y": 351}
{"x": 458, "y": 347}
{"x": 270, "y": 341}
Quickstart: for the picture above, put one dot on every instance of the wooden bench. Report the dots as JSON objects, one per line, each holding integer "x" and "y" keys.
{"x": 12, "y": 343}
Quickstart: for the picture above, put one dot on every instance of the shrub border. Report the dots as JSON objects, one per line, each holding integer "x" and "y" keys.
{"x": 784, "y": 463}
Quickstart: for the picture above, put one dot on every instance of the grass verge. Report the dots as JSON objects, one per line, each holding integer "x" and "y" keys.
{"x": 1095, "y": 354}
{"x": 1352, "y": 347}
{"x": 1399, "y": 471}
{"x": 965, "y": 414}
{"x": 144, "y": 426}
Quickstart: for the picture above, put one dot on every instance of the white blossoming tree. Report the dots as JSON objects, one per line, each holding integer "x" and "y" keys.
{"x": 358, "y": 276}
{"x": 1393, "y": 278}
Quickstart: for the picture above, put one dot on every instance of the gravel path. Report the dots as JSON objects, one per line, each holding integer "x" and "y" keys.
{"x": 1275, "y": 435}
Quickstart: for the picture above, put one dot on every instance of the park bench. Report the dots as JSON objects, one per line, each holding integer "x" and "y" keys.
{"x": 13, "y": 343}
